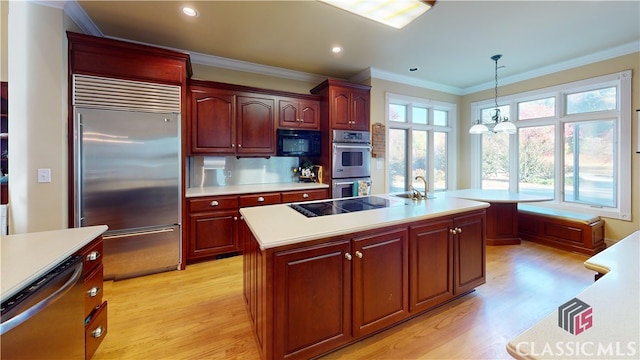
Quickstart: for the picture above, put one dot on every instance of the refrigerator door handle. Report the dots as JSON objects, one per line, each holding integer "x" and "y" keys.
{"x": 32, "y": 311}
{"x": 80, "y": 177}
{"x": 118, "y": 236}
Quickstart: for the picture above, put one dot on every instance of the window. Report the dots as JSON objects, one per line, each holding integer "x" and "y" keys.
{"x": 573, "y": 144}
{"x": 420, "y": 141}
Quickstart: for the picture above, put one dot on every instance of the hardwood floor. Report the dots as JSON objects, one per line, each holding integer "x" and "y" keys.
{"x": 199, "y": 313}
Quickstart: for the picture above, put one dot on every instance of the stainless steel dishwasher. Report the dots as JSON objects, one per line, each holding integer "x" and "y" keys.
{"x": 45, "y": 320}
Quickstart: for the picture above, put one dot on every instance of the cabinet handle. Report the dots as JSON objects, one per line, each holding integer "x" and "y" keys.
{"x": 235, "y": 218}
{"x": 93, "y": 292}
{"x": 453, "y": 231}
{"x": 97, "y": 332}
{"x": 215, "y": 203}
{"x": 305, "y": 195}
{"x": 93, "y": 256}
{"x": 458, "y": 230}
{"x": 347, "y": 256}
{"x": 359, "y": 254}
{"x": 239, "y": 145}
{"x": 260, "y": 199}
{"x": 233, "y": 145}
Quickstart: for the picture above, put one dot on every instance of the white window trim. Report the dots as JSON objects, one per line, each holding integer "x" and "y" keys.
{"x": 623, "y": 81}
{"x": 452, "y": 147}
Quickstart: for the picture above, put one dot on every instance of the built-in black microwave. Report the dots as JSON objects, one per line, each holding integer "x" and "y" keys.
{"x": 298, "y": 142}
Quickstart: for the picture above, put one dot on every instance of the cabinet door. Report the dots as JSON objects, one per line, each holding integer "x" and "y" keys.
{"x": 288, "y": 114}
{"x": 309, "y": 114}
{"x": 304, "y": 195}
{"x": 312, "y": 299}
{"x": 469, "y": 252}
{"x": 213, "y": 124}
{"x": 360, "y": 110}
{"x": 255, "y": 125}
{"x": 340, "y": 107}
{"x": 431, "y": 264}
{"x": 213, "y": 233}
{"x": 380, "y": 288}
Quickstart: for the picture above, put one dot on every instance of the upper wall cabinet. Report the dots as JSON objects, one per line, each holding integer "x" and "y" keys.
{"x": 298, "y": 113}
{"x": 345, "y": 104}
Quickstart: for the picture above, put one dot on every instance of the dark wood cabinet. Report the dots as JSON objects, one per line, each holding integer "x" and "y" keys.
{"x": 469, "y": 252}
{"x": 381, "y": 277}
{"x": 213, "y": 226}
{"x": 297, "y": 113}
{"x": 304, "y": 195}
{"x": 213, "y": 124}
{"x": 431, "y": 264}
{"x": 313, "y": 292}
{"x": 346, "y": 105}
{"x": 255, "y": 122}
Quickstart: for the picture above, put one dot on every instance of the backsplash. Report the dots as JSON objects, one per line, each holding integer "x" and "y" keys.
{"x": 229, "y": 170}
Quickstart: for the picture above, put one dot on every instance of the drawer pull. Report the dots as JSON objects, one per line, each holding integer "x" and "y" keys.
{"x": 359, "y": 254}
{"x": 347, "y": 256}
{"x": 260, "y": 199}
{"x": 93, "y": 292}
{"x": 215, "y": 203}
{"x": 93, "y": 256}
{"x": 97, "y": 332}
{"x": 305, "y": 195}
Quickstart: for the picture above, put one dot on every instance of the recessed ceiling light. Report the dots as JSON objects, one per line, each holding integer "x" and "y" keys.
{"x": 336, "y": 49}
{"x": 395, "y": 13}
{"x": 189, "y": 11}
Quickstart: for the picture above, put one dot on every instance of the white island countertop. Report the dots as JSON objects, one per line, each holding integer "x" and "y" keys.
{"x": 248, "y": 189}
{"x": 26, "y": 257}
{"x": 613, "y": 329}
{"x": 278, "y": 225}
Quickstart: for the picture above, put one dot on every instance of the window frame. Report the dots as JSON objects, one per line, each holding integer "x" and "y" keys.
{"x": 450, "y": 129}
{"x": 622, "y": 116}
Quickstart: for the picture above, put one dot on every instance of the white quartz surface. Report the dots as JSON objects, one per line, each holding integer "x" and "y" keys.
{"x": 277, "y": 225}
{"x": 496, "y": 196}
{"x": 26, "y": 257}
{"x": 248, "y": 189}
{"x": 615, "y": 302}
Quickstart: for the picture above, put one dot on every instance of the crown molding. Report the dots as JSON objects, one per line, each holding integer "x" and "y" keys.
{"x": 80, "y": 17}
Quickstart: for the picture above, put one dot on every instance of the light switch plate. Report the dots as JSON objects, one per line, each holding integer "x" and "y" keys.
{"x": 44, "y": 175}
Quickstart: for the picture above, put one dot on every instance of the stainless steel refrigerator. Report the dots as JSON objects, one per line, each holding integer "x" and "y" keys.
{"x": 127, "y": 159}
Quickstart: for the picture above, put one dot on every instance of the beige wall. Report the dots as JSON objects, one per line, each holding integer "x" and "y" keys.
{"x": 614, "y": 229}
{"x": 4, "y": 11}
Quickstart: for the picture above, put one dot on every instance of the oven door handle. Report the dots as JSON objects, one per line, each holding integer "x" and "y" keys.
{"x": 30, "y": 312}
{"x": 339, "y": 183}
{"x": 343, "y": 146}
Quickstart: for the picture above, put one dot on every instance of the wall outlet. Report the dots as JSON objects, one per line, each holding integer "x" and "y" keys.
{"x": 44, "y": 175}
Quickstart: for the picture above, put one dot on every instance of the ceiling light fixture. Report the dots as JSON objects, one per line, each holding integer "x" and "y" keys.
{"x": 189, "y": 11}
{"x": 393, "y": 13}
{"x": 501, "y": 124}
{"x": 336, "y": 49}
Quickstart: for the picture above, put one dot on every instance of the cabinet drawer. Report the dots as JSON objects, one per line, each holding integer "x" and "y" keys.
{"x": 304, "y": 195}
{"x": 213, "y": 203}
{"x": 92, "y": 256}
{"x": 259, "y": 199}
{"x": 93, "y": 291}
{"x": 95, "y": 331}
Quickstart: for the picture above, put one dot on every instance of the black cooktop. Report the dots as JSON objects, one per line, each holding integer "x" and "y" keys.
{"x": 342, "y": 206}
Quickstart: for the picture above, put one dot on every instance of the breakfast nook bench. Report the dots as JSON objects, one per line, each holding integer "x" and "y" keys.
{"x": 567, "y": 230}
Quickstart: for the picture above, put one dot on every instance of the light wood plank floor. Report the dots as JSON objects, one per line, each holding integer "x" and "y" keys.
{"x": 199, "y": 313}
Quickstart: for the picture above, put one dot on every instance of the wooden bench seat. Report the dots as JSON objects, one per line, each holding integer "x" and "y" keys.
{"x": 567, "y": 230}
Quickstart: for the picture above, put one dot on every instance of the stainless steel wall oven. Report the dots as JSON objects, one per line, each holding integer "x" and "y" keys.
{"x": 351, "y": 161}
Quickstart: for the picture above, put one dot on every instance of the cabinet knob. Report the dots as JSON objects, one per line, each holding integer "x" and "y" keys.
{"x": 235, "y": 218}
{"x": 93, "y": 292}
{"x": 93, "y": 256}
{"x": 215, "y": 203}
{"x": 305, "y": 195}
{"x": 453, "y": 231}
{"x": 97, "y": 332}
{"x": 347, "y": 256}
{"x": 458, "y": 230}
{"x": 260, "y": 199}
{"x": 359, "y": 254}
{"x": 239, "y": 145}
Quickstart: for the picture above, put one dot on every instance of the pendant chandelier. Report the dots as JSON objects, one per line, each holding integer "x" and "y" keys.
{"x": 501, "y": 124}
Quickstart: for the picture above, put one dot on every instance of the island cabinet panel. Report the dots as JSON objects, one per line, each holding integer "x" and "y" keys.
{"x": 431, "y": 264}
{"x": 213, "y": 124}
{"x": 469, "y": 252}
{"x": 380, "y": 273}
{"x": 255, "y": 120}
{"x": 298, "y": 113}
{"x": 313, "y": 306}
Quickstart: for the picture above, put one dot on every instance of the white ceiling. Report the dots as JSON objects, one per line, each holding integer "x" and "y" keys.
{"x": 451, "y": 44}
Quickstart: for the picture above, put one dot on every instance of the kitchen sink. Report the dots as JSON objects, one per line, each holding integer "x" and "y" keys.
{"x": 410, "y": 195}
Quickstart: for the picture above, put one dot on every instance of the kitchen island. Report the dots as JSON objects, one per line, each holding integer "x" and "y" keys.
{"x": 314, "y": 284}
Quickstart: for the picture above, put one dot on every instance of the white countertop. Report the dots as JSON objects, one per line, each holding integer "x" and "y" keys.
{"x": 615, "y": 302}
{"x": 277, "y": 225}
{"x": 248, "y": 189}
{"x": 496, "y": 196}
{"x": 26, "y": 257}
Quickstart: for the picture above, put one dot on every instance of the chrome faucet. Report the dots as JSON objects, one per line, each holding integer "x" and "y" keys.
{"x": 426, "y": 187}
{"x": 415, "y": 193}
